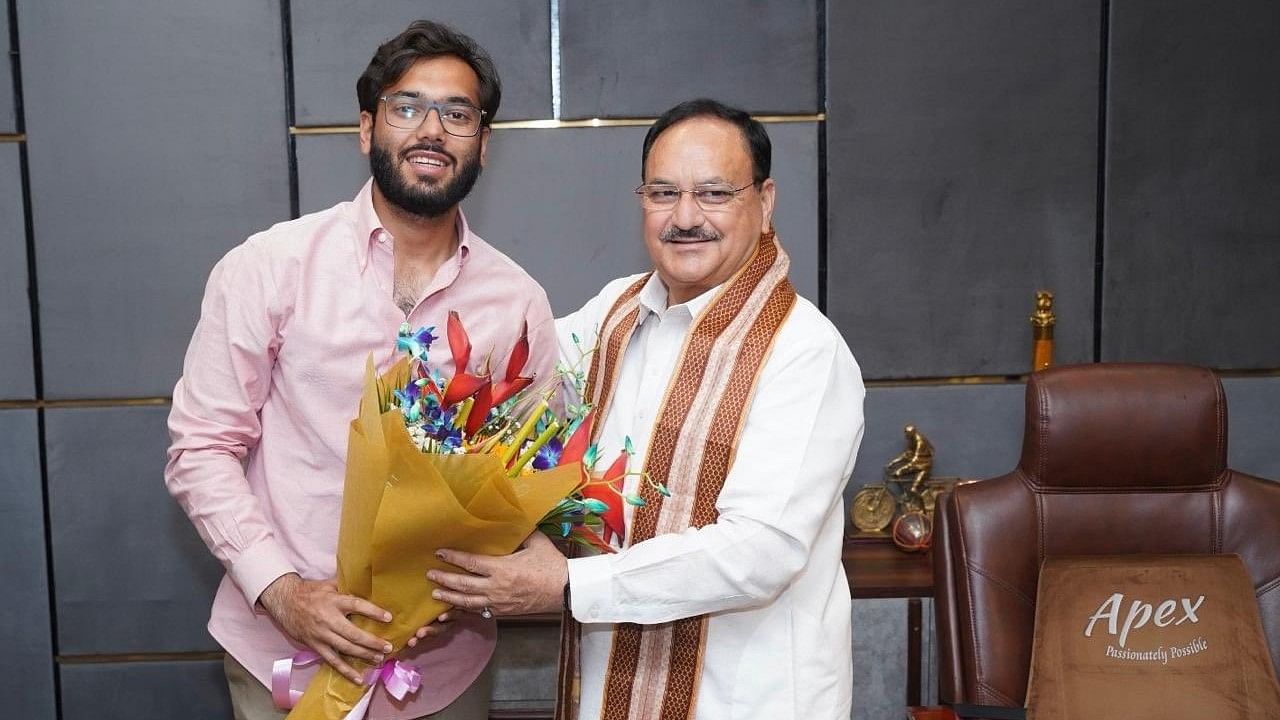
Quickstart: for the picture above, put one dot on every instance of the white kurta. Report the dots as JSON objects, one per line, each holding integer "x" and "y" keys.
{"x": 769, "y": 570}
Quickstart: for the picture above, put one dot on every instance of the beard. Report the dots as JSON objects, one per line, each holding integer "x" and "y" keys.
{"x": 425, "y": 200}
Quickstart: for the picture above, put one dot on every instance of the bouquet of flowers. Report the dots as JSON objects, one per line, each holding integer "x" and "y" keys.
{"x": 471, "y": 463}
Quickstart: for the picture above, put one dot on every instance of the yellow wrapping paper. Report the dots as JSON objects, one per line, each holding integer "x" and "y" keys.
{"x": 401, "y": 505}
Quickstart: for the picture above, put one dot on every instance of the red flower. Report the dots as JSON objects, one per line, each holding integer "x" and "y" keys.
{"x": 577, "y": 445}
{"x": 514, "y": 382}
{"x": 464, "y": 384}
{"x": 609, "y": 492}
{"x": 480, "y": 409}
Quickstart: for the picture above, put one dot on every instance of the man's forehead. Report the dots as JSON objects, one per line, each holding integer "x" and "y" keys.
{"x": 444, "y": 77}
{"x": 712, "y": 148}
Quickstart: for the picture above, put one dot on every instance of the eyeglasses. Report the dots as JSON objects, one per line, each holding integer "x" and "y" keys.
{"x": 711, "y": 197}
{"x": 408, "y": 113}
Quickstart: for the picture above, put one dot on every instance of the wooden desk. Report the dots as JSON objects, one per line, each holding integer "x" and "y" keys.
{"x": 878, "y": 569}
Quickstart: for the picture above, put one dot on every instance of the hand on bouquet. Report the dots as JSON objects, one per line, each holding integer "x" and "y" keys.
{"x": 437, "y": 627}
{"x": 314, "y": 613}
{"x": 530, "y": 580}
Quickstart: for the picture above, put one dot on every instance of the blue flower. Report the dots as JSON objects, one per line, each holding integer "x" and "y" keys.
{"x": 416, "y": 344}
{"x": 549, "y": 455}
{"x": 450, "y": 441}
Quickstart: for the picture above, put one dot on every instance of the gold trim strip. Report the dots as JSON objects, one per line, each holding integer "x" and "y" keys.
{"x": 1262, "y": 372}
{"x": 109, "y": 402}
{"x": 1022, "y": 379}
{"x": 779, "y": 119}
{"x": 325, "y": 130}
{"x": 138, "y": 657}
{"x": 555, "y": 124}
{"x": 84, "y": 403}
{"x": 11, "y": 138}
{"x": 19, "y": 404}
{"x": 959, "y": 380}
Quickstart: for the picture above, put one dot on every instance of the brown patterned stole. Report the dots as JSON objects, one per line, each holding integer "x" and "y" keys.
{"x": 654, "y": 670}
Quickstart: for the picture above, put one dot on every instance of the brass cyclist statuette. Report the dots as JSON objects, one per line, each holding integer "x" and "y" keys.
{"x": 904, "y": 487}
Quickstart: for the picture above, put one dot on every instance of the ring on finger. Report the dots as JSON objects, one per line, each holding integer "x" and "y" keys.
{"x": 486, "y": 613}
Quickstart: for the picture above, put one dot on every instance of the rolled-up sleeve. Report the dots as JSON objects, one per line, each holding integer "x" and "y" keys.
{"x": 794, "y": 457}
{"x": 214, "y": 422}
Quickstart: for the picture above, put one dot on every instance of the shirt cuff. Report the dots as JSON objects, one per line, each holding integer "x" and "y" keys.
{"x": 591, "y": 587}
{"x": 257, "y": 567}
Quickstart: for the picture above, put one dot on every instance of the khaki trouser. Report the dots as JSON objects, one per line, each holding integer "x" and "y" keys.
{"x": 251, "y": 701}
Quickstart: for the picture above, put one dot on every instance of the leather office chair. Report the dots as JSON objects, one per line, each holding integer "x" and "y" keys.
{"x": 1116, "y": 459}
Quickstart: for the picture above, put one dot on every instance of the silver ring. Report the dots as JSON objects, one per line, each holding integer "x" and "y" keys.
{"x": 486, "y": 613}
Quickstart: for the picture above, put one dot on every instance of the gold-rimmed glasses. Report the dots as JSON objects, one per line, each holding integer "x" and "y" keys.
{"x": 710, "y": 197}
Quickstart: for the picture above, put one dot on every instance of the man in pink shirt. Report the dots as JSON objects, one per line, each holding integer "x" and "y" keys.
{"x": 275, "y": 367}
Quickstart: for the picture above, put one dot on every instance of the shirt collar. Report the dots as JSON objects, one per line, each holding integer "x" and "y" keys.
{"x": 369, "y": 229}
{"x": 653, "y": 297}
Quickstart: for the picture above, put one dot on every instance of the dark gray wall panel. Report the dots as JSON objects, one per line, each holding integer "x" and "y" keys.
{"x": 560, "y": 201}
{"x": 525, "y": 665}
{"x": 1253, "y": 422}
{"x": 330, "y": 170}
{"x": 17, "y": 381}
{"x": 130, "y": 571}
{"x": 333, "y": 41}
{"x": 169, "y": 148}
{"x": 962, "y": 178}
{"x": 1192, "y": 243}
{"x": 26, "y": 663}
{"x": 929, "y": 653}
{"x": 879, "y": 659}
{"x": 191, "y": 690}
{"x": 8, "y": 119}
{"x": 622, "y": 60}
{"x": 976, "y": 430}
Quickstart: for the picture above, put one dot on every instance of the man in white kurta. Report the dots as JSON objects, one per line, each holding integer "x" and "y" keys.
{"x": 766, "y": 573}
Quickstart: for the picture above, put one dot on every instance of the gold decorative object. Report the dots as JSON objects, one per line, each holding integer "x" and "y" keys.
{"x": 873, "y": 509}
{"x": 915, "y": 463}
{"x": 905, "y": 488}
{"x": 1042, "y": 322}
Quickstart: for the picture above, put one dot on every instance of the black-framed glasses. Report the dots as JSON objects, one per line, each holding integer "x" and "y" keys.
{"x": 710, "y": 197}
{"x": 408, "y": 112}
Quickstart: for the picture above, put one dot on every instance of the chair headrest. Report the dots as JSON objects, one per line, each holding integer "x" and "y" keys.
{"x": 1114, "y": 426}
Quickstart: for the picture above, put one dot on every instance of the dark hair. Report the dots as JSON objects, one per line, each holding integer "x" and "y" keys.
{"x": 421, "y": 40}
{"x": 752, "y": 132}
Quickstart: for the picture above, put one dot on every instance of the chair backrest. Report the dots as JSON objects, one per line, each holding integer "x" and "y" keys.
{"x": 1116, "y": 459}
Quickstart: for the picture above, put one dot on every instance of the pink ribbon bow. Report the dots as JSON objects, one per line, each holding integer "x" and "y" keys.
{"x": 397, "y": 677}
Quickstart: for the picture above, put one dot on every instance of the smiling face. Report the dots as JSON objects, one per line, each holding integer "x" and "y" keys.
{"x": 426, "y": 171}
{"x": 694, "y": 250}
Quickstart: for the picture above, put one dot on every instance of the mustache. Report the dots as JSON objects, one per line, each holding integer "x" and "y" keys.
{"x": 694, "y": 233}
{"x": 428, "y": 147}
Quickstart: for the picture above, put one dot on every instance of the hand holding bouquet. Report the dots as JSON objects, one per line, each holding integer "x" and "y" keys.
{"x": 471, "y": 463}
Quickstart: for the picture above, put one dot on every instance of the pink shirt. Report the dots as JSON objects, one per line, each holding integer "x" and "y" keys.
{"x": 270, "y": 384}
